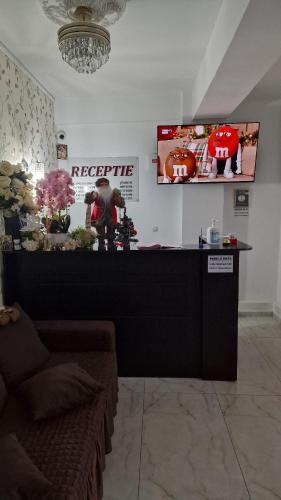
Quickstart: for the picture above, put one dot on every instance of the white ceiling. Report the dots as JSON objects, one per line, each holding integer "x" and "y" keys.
{"x": 269, "y": 87}
{"x": 157, "y": 46}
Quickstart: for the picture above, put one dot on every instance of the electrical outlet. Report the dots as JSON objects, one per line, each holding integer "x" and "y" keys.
{"x": 155, "y": 229}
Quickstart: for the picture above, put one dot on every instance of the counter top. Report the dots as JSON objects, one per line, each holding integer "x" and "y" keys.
{"x": 240, "y": 247}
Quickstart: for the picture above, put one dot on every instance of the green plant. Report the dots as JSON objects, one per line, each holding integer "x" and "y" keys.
{"x": 83, "y": 237}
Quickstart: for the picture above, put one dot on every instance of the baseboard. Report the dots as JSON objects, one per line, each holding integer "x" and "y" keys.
{"x": 262, "y": 308}
{"x": 277, "y": 310}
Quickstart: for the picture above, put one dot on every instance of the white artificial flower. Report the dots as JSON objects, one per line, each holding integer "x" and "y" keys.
{"x": 8, "y": 194}
{"x": 28, "y": 201}
{"x": 6, "y": 168}
{"x": 17, "y": 183}
{"x": 18, "y": 168}
{"x": 4, "y": 181}
{"x": 30, "y": 245}
{"x": 28, "y": 187}
{"x": 15, "y": 208}
{"x": 3, "y": 192}
{"x": 20, "y": 199}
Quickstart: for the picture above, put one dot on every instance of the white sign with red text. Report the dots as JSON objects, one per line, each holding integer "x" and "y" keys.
{"x": 122, "y": 173}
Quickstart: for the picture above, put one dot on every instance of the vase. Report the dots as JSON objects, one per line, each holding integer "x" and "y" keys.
{"x": 12, "y": 226}
{"x": 57, "y": 238}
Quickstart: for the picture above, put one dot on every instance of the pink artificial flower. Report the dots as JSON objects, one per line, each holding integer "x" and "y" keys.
{"x": 55, "y": 191}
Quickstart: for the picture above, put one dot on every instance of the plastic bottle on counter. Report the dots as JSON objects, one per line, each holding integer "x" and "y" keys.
{"x": 17, "y": 244}
{"x": 213, "y": 235}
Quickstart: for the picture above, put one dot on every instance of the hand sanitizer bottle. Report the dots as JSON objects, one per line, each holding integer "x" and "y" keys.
{"x": 213, "y": 236}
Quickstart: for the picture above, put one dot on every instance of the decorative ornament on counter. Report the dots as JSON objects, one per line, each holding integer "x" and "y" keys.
{"x": 126, "y": 232}
{"x": 104, "y": 215}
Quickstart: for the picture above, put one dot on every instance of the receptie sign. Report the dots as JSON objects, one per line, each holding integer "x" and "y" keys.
{"x": 122, "y": 173}
{"x": 220, "y": 263}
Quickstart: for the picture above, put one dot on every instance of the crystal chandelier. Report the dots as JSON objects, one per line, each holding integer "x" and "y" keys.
{"x": 85, "y": 42}
{"x": 84, "y": 45}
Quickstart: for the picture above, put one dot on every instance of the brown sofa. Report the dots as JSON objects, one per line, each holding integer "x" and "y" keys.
{"x": 70, "y": 449}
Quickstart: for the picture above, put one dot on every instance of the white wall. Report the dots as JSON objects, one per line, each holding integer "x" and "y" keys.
{"x": 259, "y": 272}
{"x": 128, "y": 128}
{"x": 259, "y": 268}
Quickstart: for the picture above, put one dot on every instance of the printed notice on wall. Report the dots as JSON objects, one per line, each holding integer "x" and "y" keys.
{"x": 241, "y": 202}
{"x": 220, "y": 263}
{"x": 122, "y": 173}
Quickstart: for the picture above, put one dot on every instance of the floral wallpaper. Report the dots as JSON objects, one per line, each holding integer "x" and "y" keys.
{"x": 27, "y": 128}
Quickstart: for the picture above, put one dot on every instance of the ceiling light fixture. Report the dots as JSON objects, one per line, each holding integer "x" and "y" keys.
{"x": 85, "y": 42}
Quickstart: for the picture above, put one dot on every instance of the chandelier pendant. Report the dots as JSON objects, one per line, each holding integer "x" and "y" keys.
{"x": 84, "y": 42}
{"x": 84, "y": 45}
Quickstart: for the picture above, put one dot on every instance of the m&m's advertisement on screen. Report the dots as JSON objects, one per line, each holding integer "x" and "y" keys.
{"x": 207, "y": 153}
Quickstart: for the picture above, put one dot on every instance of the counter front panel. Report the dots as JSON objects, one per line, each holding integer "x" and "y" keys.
{"x": 173, "y": 318}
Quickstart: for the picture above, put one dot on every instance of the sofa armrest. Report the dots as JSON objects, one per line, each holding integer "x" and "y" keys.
{"x": 77, "y": 336}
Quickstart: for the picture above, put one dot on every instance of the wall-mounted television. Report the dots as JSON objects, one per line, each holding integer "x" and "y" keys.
{"x": 207, "y": 153}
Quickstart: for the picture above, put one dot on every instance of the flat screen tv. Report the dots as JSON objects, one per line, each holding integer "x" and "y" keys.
{"x": 207, "y": 153}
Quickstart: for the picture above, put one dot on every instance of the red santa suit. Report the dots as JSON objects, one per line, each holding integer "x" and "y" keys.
{"x": 104, "y": 214}
{"x": 100, "y": 207}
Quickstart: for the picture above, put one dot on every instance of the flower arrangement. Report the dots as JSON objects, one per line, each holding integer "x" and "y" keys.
{"x": 83, "y": 237}
{"x": 15, "y": 190}
{"x": 30, "y": 245}
{"x": 30, "y": 236}
{"x": 55, "y": 193}
{"x": 70, "y": 244}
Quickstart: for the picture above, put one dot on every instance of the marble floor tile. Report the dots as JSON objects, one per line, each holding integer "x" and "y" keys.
{"x": 187, "y": 453}
{"x": 121, "y": 476}
{"x": 255, "y": 376}
{"x": 270, "y": 349}
{"x": 182, "y": 385}
{"x": 127, "y": 385}
{"x": 255, "y": 427}
{"x": 259, "y": 326}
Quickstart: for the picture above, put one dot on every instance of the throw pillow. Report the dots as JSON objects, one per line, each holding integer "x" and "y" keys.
{"x": 21, "y": 350}
{"x": 19, "y": 477}
{"x": 55, "y": 390}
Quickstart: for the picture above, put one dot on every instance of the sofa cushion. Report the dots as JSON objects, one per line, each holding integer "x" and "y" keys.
{"x": 19, "y": 477}
{"x": 52, "y": 392}
{"x": 21, "y": 350}
{"x": 3, "y": 394}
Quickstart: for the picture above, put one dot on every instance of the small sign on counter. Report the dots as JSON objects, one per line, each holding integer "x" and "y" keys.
{"x": 220, "y": 263}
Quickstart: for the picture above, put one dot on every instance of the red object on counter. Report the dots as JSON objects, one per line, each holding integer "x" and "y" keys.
{"x": 233, "y": 241}
{"x": 150, "y": 247}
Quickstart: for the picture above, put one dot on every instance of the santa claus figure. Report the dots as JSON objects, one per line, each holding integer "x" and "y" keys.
{"x": 103, "y": 216}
